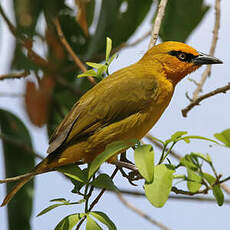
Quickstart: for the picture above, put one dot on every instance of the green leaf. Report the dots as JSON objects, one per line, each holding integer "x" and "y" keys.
{"x": 117, "y": 25}
{"x": 110, "y": 150}
{"x": 90, "y": 9}
{"x": 69, "y": 222}
{"x": 188, "y": 163}
{"x": 209, "y": 178}
{"x": 26, "y": 15}
{"x": 102, "y": 217}
{"x": 158, "y": 191}
{"x": 179, "y": 176}
{"x": 194, "y": 181}
{"x": 87, "y": 73}
{"x": 77, "y": 184}
{"x": 187, "y": 138}
{"x": 64, "y": 202}
{"x": 52, "y": 8}
{"x": 51, "y": 207}
{"x": 92, "y": 225}
{"x": 111, "y": 59}
{"x": 217, "y": 192}
{"x": 181, "y": 18}
{"x": 59, "y": 200}
{"x": 95, "y": 65}
{"x": 156, "y": 139}
{"x": 104, "y": 181}
{"x": 101, "y": 70}
{"x": 144, "y": 160}
{"x": 178, "y": 134}
{"x": 108, "y": 48}
{"x": 224, "y": 137}
{"x": 206, "y": 158}
{"x": 19, "y": 159}
{"x": 74, "y": 172}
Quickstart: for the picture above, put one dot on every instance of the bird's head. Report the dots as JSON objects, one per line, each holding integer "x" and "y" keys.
{"x": 178, "y": 59}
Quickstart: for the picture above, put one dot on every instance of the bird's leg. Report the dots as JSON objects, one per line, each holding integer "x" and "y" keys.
{"x": 135, "y": 175}
{"x": 124, "y": 158}
{"x": 124, "y": 174}
{"x": 122, "y": 164}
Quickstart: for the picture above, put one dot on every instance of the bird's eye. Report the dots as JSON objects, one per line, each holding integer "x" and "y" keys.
{"x": 182, "y": 56}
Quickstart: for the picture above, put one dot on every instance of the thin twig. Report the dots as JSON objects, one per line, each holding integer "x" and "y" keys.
{"x": 173, "y": 197}
{"x": 196, "y": 102}
{"x": 225, "y": 188}
{"x": 12, "y": 28}
{"x": 102, "y": 191}
{"x": 131, "y": 44}
{"x": 122, "y": 164}
{"x": 96, "y": 199}
{"x": 141, "y": 213}
{"x": 80, "y": 222}
{"x": 159, "y": 145}
{"x": 27, "y": 43}
{"x": 34, "y": 57}
{"x": 207, "y": 71}
{"x": 178, "y": 157}
{"x": 14, "y": 75}
{"x": 123, "y": 45}
{"x": 224, "y": 180}
{"x": 157, "y": 23}
{"x": 180, "y": 191}
{"x": 16, "y": 178}
{"x": 70, "y": 50}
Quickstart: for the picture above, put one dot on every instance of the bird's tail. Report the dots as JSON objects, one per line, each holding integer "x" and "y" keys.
{"x": 16, "y": 188}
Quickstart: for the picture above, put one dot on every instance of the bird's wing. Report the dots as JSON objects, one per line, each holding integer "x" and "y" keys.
{"x": 113, "y": 99}
{"x": 63, "y": 129}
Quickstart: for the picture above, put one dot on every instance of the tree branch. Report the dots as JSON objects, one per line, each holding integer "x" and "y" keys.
{"x": 207, "y": 71}
{"x": 178, "y": 157}
{"x": 122, "y": 164}
{"x": 141, "y": 213}
{"x": 157, "y": 23}
{"x": 157, "y": 144}
{"x": 131, "y": 44}
{"x": 16, "y": 178}
{"x": 34, "y": 57}
{"x": 225, "y": 188}
{"x": 173, "y": 197}
{"x": 65, "y": 43}
{"x": 14, "y": 75}
{"x": 196, "y": 102}
{"x": 12, "y": 28}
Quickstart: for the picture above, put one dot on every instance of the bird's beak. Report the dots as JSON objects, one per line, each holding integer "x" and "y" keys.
{"x": 202, "y": 59}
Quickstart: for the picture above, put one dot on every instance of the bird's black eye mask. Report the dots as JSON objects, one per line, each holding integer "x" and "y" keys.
{"x": 182, "y": 56}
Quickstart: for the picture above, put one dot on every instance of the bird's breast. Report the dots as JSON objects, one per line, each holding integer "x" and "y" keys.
{"x": 159, "y": 103}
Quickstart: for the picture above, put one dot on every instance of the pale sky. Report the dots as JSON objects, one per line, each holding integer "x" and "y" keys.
{"x": 211, "y": 117}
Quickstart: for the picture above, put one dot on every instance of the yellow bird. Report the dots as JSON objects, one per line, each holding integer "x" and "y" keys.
{"x": 123, "y": 106}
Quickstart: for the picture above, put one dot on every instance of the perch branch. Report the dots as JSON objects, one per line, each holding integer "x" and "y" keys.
{"x": 196, "y": 102}
{"x": 157, "y": 23}
{"x": 207, "y": 71}
{"x": 173, "y": 197}
{"x": 141, "y": 213}
{"x": 23, "y": 74}
{"x": 65, "y": 43}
